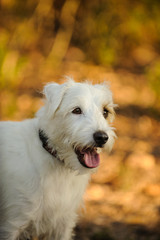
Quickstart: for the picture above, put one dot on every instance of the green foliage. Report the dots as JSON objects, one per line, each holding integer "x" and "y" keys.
{"x": 106, "y": 31}
{"x": 111, "y": 30}
{"x": 153, "y": 76}
{"x": 11, "y": 63}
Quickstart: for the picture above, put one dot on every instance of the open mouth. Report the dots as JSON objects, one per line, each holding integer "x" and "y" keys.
{"x": 89, "y": 157}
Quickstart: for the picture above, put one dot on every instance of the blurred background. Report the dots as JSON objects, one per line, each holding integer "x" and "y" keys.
{"x": 99, "y": 40}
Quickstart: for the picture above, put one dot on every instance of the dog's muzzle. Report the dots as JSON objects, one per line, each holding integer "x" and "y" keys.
{"x": 88, "y": 156}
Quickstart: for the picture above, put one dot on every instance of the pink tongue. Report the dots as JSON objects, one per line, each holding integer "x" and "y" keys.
{"x": 91, "y": 159}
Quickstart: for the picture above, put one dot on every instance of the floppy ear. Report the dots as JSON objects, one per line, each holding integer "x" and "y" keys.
{"x": 54, "y": 94}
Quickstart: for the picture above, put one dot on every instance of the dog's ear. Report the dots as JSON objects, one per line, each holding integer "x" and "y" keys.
{"x": 54, "y": 95}
{"x": 105, "y": 87}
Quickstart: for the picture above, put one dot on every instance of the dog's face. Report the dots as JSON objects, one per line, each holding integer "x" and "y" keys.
{"x": 76, "y": 119}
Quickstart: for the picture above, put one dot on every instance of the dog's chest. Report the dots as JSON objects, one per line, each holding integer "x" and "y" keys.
{"x": 62, "y": 194}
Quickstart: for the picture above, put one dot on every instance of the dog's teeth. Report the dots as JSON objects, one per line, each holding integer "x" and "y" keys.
{"x": 98, "y": 150}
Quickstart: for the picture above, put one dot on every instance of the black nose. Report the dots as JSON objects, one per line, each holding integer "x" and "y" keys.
{"x": 100, "y": 138}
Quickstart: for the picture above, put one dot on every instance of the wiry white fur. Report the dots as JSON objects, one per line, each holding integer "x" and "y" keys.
{"x": 39, "y": 194}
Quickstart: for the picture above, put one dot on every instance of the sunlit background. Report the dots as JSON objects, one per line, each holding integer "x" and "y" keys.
{"x": 99, "y": 40}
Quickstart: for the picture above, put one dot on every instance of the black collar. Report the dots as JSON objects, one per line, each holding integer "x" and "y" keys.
{"x": 44, "y": 140}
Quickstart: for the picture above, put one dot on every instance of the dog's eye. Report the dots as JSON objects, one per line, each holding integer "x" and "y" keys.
{"x": 77, "y": 111}
{"x": 105, "y": 113}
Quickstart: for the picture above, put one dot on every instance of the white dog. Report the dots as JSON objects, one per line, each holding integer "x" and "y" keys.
{"x": 46, "y": 162}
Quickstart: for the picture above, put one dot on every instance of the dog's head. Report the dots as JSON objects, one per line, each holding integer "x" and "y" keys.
{"x": 77, "y": 120}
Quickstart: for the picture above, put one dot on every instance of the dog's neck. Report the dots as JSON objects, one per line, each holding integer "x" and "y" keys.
{"x": 44, "y": 139}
